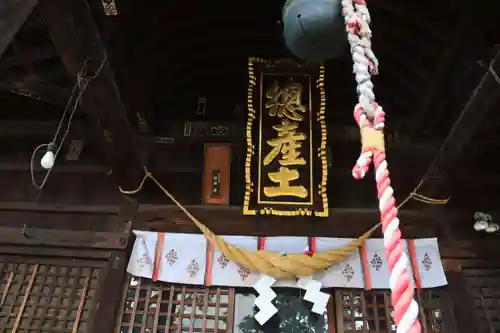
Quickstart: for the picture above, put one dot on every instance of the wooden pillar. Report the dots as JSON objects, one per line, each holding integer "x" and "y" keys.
{"x": 111, "y": 284}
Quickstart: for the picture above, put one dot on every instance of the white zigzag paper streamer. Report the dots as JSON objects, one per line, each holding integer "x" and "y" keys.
{"x": 314, "y": 294}
{"x": 264, "y": 300}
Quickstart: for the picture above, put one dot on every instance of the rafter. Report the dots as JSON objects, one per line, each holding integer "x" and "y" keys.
{"x": 438, "y": 179}
{"x": 76, "y": 37}
{"x": 477, "y": 107}
{"x": 13, "y": 14}
{"x": 435, "y": 80}
{"x": 410, "y": 18}
{"x": 182, "y": 132}
{"x": 26, "y": 57}
{"x": 41, "y": 91}
{"x": 36, "y": 128}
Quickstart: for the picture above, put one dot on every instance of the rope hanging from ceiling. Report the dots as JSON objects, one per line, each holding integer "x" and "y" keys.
{"x": 370, "y": 118}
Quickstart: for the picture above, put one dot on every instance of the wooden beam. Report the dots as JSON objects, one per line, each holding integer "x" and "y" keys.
{"x": 230, "y": 221}
{"x": 203, "y": 131}
{"x": 34, "y": 128}
{"x": 437, "y": 181}
{"x": 73, "y": 168}
{"x": 45, "y": 251}
{"x": 173, "y": 160}
{"x": 135, "y": 74}
{"x": 111, "y": 286}
{"x": 435, "y": 80}
{"x": 98, "y": 222}
{"x": 343, "y": 140}
{"x": 77, "y": 40}
{"x": 109, "y": 294}
{"x": 342, "y": 222}
{"x": 13, "y": 14}
{"x": 41, "y": 91}
{"x": 65, "y": 238}
{"x": 59, "y": 208}
{"x": 27, "y": 57}
{"x": 474, "y": 112}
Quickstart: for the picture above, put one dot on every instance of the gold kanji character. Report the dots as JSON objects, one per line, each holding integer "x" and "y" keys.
{"x": 283, "y": 178}
{"x": 285, "y": 102}
{"x": 288, "y": 143}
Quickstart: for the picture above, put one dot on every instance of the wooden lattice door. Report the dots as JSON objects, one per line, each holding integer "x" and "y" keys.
{"x": 158, "y": 307}
{"x": 46, "y": 296}
{"x": 371, "y": 311}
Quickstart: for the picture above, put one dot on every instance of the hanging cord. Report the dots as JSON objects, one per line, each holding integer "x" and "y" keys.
{"x": 422, "y": 198}
{"x": 82, "y": 81}
{"x": 267, "y": 262}
{"x": 370, "y": 118}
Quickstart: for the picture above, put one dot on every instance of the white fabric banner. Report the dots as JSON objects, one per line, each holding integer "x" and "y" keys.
{"x": 377, "y": 266}
{"x": 429, "y": 262}
{"x": 183, "y": 259}
{"x": 347, "y": 274}
{"x": 142, "y": 260}
{"x": 190, "y": 259}
{"x": 229, "y": 273}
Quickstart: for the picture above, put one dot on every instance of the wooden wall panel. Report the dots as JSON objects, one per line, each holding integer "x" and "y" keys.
{"x": 483, "y": 287}
{"x": 462, "y": 304}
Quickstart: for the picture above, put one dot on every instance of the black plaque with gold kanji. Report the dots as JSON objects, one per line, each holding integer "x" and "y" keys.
{"x": 286, "y": 169}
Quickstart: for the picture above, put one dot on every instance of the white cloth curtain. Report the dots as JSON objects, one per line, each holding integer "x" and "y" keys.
{"x": 190, "y": 259}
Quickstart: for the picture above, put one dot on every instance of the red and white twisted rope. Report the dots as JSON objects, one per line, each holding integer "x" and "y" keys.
{"x": 370, "y": 118}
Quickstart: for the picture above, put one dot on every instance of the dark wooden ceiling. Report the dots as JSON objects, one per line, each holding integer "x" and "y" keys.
{"x": 175, "y": 51}
{"x": 164, "y": 54}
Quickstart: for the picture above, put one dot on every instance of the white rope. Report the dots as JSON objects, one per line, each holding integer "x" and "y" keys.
{"x": 365, "y": 62}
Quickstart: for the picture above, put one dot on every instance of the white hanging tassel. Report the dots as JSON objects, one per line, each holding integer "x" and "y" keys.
{"x": 314, "y": 294}
{"x": 264, "y": 300}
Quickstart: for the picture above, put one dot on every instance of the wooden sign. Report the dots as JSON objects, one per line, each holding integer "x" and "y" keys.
{"x": 286, "y": 164}
{"x": 216, "y": 174}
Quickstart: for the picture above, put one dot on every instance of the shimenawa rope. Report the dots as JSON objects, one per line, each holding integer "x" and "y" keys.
{"x": 270, "y": 263}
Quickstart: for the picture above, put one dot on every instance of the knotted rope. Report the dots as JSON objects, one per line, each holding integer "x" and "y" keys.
{"x": 275, "y": 264}
{"x": 270, "y": 263}
{"x": 370, "y": 119}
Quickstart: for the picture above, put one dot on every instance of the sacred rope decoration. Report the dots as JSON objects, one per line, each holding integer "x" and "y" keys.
{"x": 370, "y": 118}
{"x": 265, "y": 298}
{"x": 270, "y": 263}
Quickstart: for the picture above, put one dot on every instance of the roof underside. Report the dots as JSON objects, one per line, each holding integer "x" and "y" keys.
{"x": 164, "y": 54}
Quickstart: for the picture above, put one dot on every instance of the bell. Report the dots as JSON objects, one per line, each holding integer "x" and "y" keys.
{"x": 314, "y": 30}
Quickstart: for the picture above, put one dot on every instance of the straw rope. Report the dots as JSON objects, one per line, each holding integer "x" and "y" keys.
{"x": 274, "y": 264}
